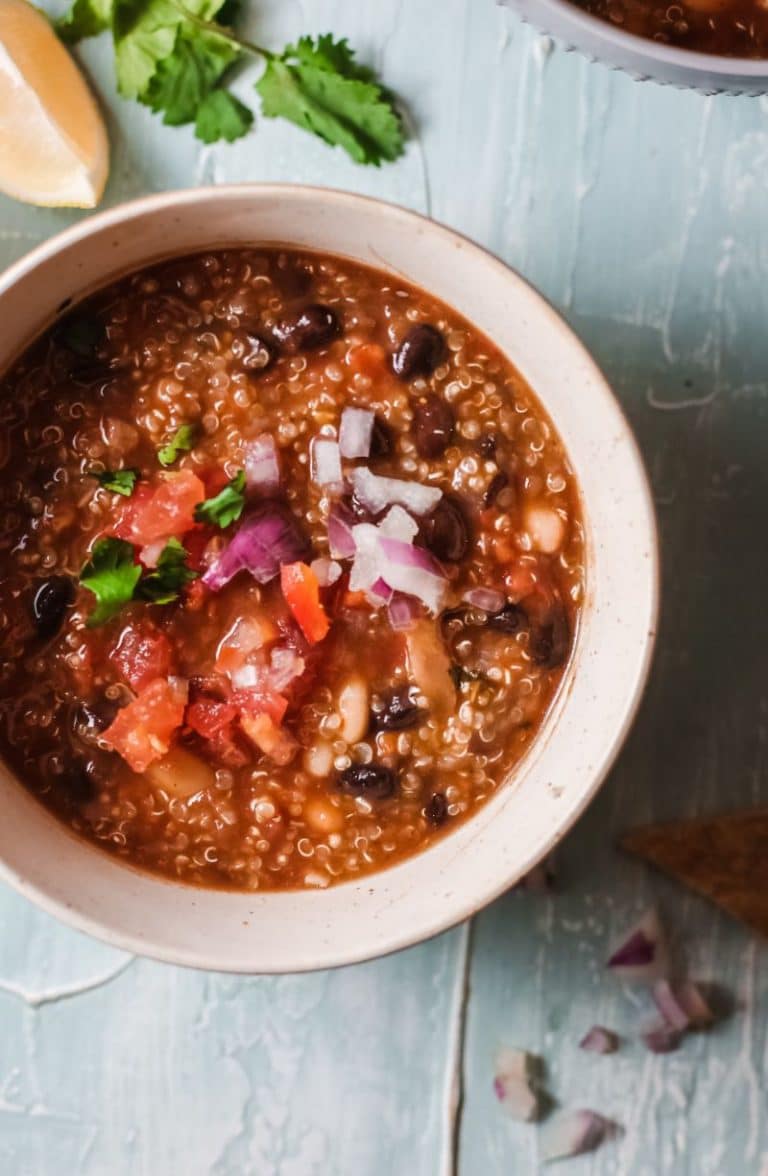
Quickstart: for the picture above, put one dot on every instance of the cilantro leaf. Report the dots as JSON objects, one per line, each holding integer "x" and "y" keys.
{"x": 85, "y": 18}
{"x": 111, "y": 575}
{"x": 163, "y": 585}
{"x": 319, "y": 87}
{"x": 226, "y": 507}
{"x": 118, "y": 481}
{"x": 182, "y": 441}
{"x": 222, "y": 116}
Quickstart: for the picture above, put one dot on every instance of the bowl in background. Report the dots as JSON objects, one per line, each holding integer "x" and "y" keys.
{"x": 642, "y": 57}
{"x": 288, "y": 931}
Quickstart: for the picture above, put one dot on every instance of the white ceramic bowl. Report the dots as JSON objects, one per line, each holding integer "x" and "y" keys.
{"x": 642, "y": 58}
{"x": 294, "y": 931}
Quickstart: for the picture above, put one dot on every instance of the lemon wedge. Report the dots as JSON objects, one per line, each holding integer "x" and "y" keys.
{"x": 53, "y": 143}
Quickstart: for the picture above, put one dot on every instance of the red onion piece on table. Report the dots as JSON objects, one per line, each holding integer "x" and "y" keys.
{"x": 487, "y": 599}
{"x": 325, "y": 461}
{"x": 341, "y": 541}
{"x": 692, "y": 999}
{"x": 643, "y": 955}
{"x": 599, "y": 1040}
{"x": 264, "y": 540}
{"x": 376, "y": 493}
{"x": 669, "y": 1006}
{"x": 355, "y": 432}
{"x": 513, "y": 1084}
{"x": 262, "y": 464}
{"x": 571, "y": 1133}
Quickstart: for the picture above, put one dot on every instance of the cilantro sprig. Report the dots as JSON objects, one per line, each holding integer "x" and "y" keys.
{"x": 111, "y": 575}
{"x": 115, "y": 578}
{"x": 118, "y": 481}
{"x": 178, "y": 56}
{"x": 163, "y": 585}
{"x": 226, "y": 507}
{"x": 182, "y": 441}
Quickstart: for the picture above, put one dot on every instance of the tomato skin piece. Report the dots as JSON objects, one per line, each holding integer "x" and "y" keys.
{"x": 209, "y": 717}
{"x": 142, "y": 731}
{"x": 257, "y": 702}
{"x": 158, "y": 511}
{"x": 302, "y": 595}
{"x": 142, "y": 654}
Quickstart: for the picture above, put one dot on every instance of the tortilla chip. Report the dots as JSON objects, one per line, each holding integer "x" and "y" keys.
{"x": 723, "y": 858}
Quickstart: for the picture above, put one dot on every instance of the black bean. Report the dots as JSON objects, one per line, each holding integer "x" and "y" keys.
{"x": 381, "y": 438}
{"x": 253, "y": 351}
{"x": 400, "y": 712}
{"x": 373, "y": 781}
{"x": 80, "y": 783}
{"x": 314, "y": 326}
{"x": 551, "y": 639}
{"x": 497, "y": 484}
{"x": 89, "y": 719}
{"x": 509, "y": 619}
{"x": 487, "y": 444}
{"x": 51, "y": 600}
{"x": 432, "y": 427}
{"x": 419, "y": 353}
{"x": 436, "y": 809}
{"x": 445, "y": 532}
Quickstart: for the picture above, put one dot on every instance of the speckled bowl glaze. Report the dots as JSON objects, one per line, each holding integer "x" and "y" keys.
{"x": 296, "y": 930}
{"x": 644, "y": 59}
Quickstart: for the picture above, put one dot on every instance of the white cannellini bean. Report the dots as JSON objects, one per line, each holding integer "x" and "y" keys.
{"x": 181, "y": 773}
{"x": 545, "y": 527}
{"x": 353, "y": 707}
{"x": 318, "y": 760}
{"x": 322, "y": 816}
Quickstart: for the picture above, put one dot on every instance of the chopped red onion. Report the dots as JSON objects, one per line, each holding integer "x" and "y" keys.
{"x": 414, "y": 571}
{"x": 402, "y": 611}
{"x": 340, "y": 538}
{"x": 695, "y": 1004}
{"x": 285, "y": 666}
{"x": 643, "y": 954}
{"x": 325, "y": 461}
{"x": 264, "y": 540}
{"x": 355, "y": 432}
{"x": 377, "y": 493}
{"x": 366, "y": 568}
{"x": 599, "y": 1040}
{"x": 262, "y": 464}
{"x": 247, "y": 677}
{"x": 512, "y": 1083}
{"x": 380, "y": 591}
{"x": 151, "y": 552}
{"x": 398, "y": 524}
{"x": 326, "y": 571}
{"x": 669, "y": 1006}
{"x": 487, "y": 599}
{"x": 571, "y": 1133}
{"x": 661, "y": 1037}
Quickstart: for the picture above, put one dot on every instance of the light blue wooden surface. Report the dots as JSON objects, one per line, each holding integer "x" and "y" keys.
{"x": 641, "y": 212}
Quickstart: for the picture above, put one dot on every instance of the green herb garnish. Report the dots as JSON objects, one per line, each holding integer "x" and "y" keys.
{"x": 118, "y": 481}
{"x": 163, "y": 585}
{"x": 226, "y": 507}
{"x": 182, "y": 441}
{"x": 111, "y": 575}
{"x": 177, "y": 57}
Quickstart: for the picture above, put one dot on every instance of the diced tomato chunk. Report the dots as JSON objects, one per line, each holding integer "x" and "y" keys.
{"x": 142, "y": 731}
{"x": 214, "y": 479}
{"x": 142, "y": 654}
{"x": 160, "y": 510}
{"x": 274, "y": 741}
{"x": 368, "y": 359}
{"x": 209, "y": 716}
{"x": 247, "y": 635}
{"x": 302, "y": 595}
{"x": 195, "y": 543}
{"x": 256, "y": 702}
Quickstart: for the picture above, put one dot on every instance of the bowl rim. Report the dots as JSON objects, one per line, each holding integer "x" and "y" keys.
{"x": 464, "y": 906}
{"x": 693, "y": 61}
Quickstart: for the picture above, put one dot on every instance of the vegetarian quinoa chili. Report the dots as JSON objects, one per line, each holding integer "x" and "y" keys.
{"x": 727, "y": 28}
{"x": 291, "y": 566}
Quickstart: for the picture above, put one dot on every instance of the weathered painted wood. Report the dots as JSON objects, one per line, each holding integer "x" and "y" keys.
{"x": 641, "y": 212}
